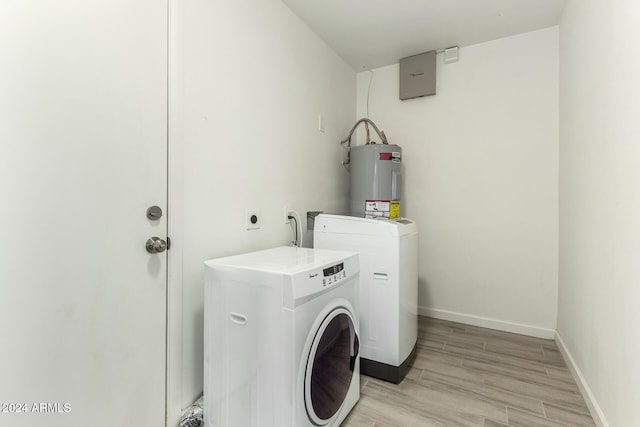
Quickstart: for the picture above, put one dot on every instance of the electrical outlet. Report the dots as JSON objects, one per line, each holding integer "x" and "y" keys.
{"x": 253, "y": 219}
{"x": 286, "y": 215}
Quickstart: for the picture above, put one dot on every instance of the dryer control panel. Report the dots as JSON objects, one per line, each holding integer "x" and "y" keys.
{"x": 306, "y": 285}
{"x": 333, "y": 274}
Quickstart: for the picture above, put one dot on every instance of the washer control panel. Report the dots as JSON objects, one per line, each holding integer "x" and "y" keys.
{"x": 333, "y": 274}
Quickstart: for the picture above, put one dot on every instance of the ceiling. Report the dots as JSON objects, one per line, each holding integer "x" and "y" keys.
{"x": 373, "y": 33}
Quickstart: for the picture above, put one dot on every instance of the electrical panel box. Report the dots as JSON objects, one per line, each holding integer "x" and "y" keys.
{"x": 418, "y": 75}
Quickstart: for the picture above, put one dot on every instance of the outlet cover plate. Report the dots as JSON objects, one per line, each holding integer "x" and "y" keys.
{"x": 252, "y": 219}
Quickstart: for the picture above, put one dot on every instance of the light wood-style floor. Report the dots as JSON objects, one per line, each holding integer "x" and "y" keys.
{"x": 469, "y": 376}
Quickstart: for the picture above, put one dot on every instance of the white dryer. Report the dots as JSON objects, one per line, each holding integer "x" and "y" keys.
{"x": 281, "y": 338}
{"x": 388, "y": 250}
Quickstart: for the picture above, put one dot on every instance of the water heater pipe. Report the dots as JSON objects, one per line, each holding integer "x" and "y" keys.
{"x": 381, "y": 134}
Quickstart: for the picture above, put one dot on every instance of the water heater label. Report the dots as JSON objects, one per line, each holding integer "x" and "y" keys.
{"x": 382, "y": 209}
{"x": 395, "y": 157}
{"x": 394, "y": 209}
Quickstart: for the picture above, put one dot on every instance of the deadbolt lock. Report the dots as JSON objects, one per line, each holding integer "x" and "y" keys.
{"x": 154, "y": 213}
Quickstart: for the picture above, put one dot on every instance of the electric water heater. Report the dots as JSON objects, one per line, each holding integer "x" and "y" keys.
{"x": 376, "y": 180}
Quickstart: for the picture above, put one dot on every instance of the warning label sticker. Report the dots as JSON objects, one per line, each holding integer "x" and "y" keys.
{"x": 394, "y": 209}
{"x": 395, "y": 156}
{"x": 382, "y": 209}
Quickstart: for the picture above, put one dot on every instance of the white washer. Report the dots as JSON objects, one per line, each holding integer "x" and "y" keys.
{"x": 281, "y": 338}
{"x": 388, "y": 250}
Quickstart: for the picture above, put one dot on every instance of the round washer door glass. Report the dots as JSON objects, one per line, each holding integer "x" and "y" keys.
{"x": 330, "y": 366}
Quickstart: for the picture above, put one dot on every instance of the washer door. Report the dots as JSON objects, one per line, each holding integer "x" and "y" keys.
{"x": 330, "y": 366}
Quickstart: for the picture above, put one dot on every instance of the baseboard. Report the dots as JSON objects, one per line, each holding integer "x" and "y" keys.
{"x": 589, "y": 398}
{"x": 485, "y": 322}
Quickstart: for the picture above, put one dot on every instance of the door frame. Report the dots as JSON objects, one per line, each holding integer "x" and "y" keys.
{"x": 175, "y": 221}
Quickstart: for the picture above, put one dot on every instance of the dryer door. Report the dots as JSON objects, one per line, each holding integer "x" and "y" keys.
{"x": 330, "y": 366}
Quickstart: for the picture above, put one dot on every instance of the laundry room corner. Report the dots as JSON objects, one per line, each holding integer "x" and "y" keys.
{"x": 480, "y": 179}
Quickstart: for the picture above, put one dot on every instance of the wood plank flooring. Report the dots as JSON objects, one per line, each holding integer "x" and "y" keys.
{"x": 470, "y": 376}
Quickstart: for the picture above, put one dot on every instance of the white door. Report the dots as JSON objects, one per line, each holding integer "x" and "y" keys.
{"x": 83, "y": 142}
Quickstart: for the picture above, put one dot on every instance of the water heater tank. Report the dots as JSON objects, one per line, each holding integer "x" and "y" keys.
{"x": 376, "y": 181}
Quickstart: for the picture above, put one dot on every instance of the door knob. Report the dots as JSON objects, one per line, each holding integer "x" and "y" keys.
{"x": 155, "y": 245}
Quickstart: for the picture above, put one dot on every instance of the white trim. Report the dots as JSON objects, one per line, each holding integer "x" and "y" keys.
{"x": 175, "y": 216}
{"x": 485, "y": 322}
{"x": 587, "y": 394}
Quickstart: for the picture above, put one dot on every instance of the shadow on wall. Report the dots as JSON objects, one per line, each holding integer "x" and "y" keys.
{"x": 423, "y": 293}
{"x": 198, "y": 331}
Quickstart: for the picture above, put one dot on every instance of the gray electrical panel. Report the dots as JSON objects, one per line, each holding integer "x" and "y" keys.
{"x": 418, "y": 75}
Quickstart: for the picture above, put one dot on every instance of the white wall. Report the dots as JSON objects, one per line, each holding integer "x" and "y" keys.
{"x": 248, "y": 83}
{"x": 481, "y": 171}
{"x": 599, "y": 293}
